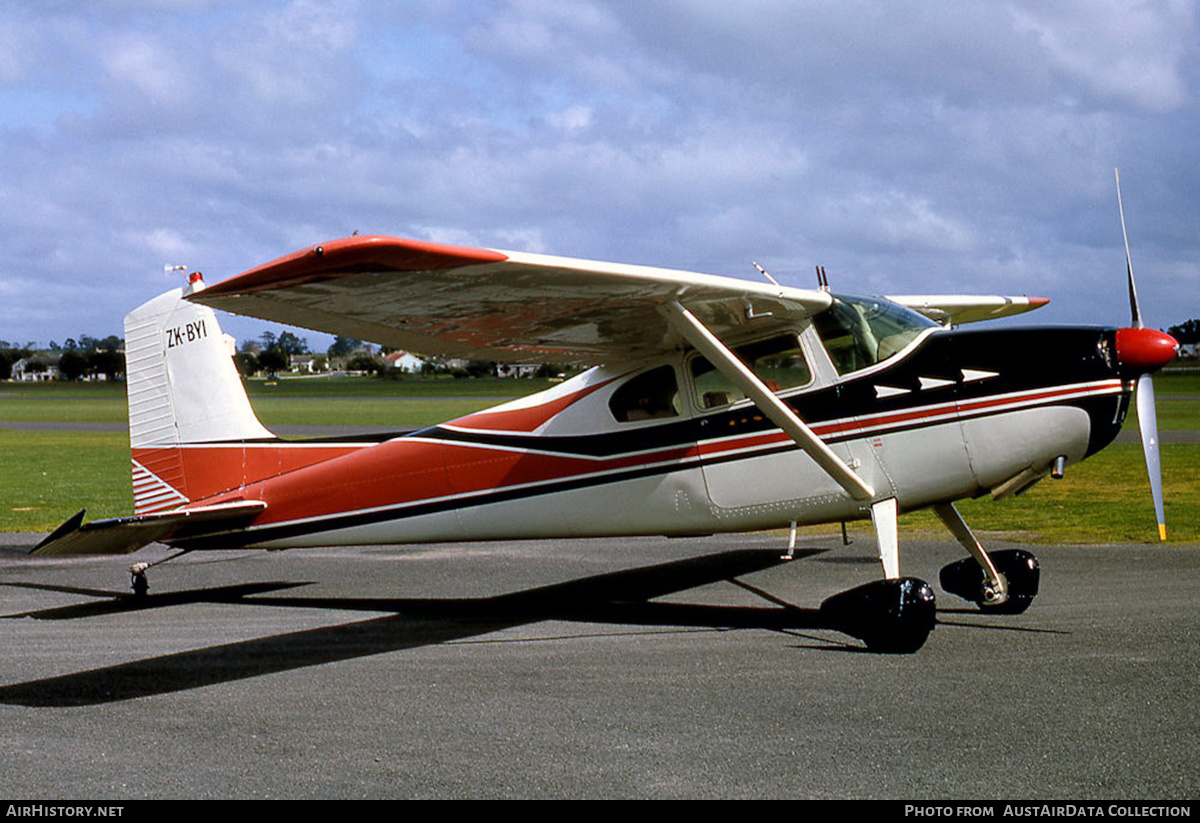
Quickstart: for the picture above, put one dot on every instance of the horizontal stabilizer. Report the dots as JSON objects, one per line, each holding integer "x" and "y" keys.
{"x": 125, "y": 535}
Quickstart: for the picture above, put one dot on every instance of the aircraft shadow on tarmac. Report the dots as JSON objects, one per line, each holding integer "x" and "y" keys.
{"x": 614, "y": 598}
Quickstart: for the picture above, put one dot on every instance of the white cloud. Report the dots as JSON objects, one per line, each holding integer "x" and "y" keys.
{"x": 294, "y": 56}
{"x": 167, "y": 244}
{"x": 900, "y": 222}
{"x": 571, "y": 120}
{"x": 889, "y": 138}
{"x": 146, "y": 65}
{"x": 527, "y": 240}
{"x": 1126, "y": 51}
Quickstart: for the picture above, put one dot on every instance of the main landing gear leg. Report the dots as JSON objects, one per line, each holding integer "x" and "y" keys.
{"x": 892, "y": 616}
{"x": 1003, "y": 582}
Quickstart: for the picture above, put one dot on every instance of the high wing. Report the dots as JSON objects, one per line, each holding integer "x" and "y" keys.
{"x": 955, "y": 309}
{"x": 485, "y": 304}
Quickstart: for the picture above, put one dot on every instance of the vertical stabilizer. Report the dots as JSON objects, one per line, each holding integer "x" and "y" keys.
{"x": 182, "y": 383}
{"x": 183, "y": 389}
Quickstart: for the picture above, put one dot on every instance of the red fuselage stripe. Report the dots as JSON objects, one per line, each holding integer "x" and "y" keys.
{"x": 419, "y": 470}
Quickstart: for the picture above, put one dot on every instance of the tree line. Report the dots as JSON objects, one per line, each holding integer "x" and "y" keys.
{"x": 271, "y": 353}
{"x": 105, "y": 357}
{"x": 1187, "y": 332}
{"x": 97, "y": 358}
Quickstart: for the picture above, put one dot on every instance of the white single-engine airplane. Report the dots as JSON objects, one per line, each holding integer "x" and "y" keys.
{"x": 718, "y": 405}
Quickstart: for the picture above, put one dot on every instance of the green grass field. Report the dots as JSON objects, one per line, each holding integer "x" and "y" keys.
{"x": 47, "y": 476}
{"x": 50, "y": 475}
{"x": 342, "y": 401}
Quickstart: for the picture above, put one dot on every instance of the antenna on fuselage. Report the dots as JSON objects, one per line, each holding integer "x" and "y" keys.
{"x": 822, "y": 280}
{"x": 763, "y": 272}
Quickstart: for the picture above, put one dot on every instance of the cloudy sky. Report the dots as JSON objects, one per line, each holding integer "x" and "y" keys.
{"x": 906, "y": 146}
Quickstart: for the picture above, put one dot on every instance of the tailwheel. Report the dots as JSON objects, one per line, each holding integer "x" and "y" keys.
{"x": 137, "y": 574}
{"x": 969, "y": 580}
{"x": 890, "y": 616}
{"x": 138, "y": 581}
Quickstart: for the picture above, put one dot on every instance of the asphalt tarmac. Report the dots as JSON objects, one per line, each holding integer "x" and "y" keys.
{"x": 624, "y": 668}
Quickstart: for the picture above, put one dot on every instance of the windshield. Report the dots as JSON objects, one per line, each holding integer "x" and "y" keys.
{"x": 861, "y": 331}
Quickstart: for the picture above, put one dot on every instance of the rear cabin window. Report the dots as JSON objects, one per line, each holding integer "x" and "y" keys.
{"x": 650, "y": 396}
{"x": 860, "y": 331}
{"x": 777, "y": 361}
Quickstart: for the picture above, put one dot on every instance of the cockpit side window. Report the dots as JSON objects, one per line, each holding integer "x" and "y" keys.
{"x": 860, "y": 331}
{"x": 649, "y": 396}
{"x": 777, "y": 361}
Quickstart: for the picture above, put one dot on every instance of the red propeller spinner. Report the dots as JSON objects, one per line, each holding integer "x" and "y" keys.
{"x": 1145, "y": 350}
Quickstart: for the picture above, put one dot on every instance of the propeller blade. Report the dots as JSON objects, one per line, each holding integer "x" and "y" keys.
{"x": 1148, "y": 423}
{"x": 1134, "y": 311}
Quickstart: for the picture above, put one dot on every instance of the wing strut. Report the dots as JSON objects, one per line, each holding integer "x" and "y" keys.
{"x": 707, "y": 343}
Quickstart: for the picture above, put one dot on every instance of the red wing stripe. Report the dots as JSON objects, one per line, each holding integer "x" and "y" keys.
{"x": 352, "y": 255}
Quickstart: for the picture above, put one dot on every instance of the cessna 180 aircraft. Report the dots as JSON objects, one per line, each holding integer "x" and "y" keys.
{"x": 714, "y": 404}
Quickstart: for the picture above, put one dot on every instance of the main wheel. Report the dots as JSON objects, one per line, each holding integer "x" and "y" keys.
{"x": 890, "y": 616}
{"x": 1021, "y": 573}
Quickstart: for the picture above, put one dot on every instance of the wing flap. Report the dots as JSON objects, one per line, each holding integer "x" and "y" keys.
{"x": 125, "y": 535}
{"x": 486, "y": 304}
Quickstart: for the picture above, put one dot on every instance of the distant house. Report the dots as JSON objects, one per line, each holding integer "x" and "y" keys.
{"x": 304, "y": 363}
{"x": 403, "y": 361}
{"x": 517, "y": 369}
{"x": 35, "y": 369}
